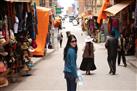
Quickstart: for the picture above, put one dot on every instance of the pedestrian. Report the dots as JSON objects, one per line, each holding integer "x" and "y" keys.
{"x": 68, "y": 33}
{"x": 88, "y": 57}
{"x": 111, "y": 46}
{"x": 121, "y": 50}
{"x": 60, "y": 39}
{"x": 70, "y": 66}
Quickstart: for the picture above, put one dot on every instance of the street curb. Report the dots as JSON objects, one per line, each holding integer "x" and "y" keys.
{"x": 132, "y": 60}
{"x": 134, "y": 65}
{"x": 44, "y": 57}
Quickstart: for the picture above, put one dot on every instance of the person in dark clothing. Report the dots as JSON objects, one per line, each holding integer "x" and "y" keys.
{"x": 60, "y": 39}
{"x": 88, "y": 57}
{"x": 111, "y": 46}
{"x": 121, "y": 50}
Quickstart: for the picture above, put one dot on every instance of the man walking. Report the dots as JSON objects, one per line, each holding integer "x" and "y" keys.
{"x": 121, "y": 50}
{"x": 112, "y": 45}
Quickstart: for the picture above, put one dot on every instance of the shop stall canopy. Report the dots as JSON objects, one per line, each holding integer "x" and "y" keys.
{"x": 19, "y": 0}
{"x": 115, "y": 9}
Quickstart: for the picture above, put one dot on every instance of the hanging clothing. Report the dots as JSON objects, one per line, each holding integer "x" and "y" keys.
{"x": 19, "y": 14}
{"x": 115, "y": 23}
{"x": 109, "y": 25}
{"x": 36, "y": 18}
{"x": 115, "y": 27}
{"x": 117, "y": 34}
{"x": 136, "y": 14}
{"x": 30, "y": 25}
{"x": 16, "y": 24}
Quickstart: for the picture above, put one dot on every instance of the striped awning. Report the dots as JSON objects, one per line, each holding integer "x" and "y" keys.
{"x": 115, "y": 9}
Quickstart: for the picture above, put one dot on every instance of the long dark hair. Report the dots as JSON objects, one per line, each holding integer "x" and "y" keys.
{"x": 68, "y": 45}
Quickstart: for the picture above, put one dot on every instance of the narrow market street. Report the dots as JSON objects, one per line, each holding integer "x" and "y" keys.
{"x": 48, "y": 75}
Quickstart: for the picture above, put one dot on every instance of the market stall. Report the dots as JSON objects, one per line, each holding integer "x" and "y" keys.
{"x": 18, "y": 28}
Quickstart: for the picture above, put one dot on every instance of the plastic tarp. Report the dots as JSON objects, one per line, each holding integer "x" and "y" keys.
{"x": 43, "y": 20}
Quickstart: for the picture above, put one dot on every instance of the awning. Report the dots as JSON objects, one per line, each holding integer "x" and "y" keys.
{"x": 115, "y": 9}
{"x": 19, "y": 0}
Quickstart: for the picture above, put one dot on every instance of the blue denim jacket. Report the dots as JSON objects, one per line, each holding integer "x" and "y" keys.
{"x": 70, "y": 62}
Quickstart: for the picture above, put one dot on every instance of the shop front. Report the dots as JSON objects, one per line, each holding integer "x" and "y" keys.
{"x": 18, "y": 28}
{"x": 121, "y": 21}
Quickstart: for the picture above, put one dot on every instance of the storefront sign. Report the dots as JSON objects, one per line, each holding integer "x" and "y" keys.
{"x": 58, "y": 11}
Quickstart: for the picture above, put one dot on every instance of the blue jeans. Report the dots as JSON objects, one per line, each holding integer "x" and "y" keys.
{"x": 71, "y": 82}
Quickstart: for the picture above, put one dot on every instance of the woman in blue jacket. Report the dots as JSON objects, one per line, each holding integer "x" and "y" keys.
{"x": 70, "y": 66}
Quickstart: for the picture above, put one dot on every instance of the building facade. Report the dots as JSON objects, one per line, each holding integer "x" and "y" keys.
{"x": 89, "y": 5}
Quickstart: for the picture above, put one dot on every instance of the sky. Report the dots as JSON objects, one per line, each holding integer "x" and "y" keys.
{"x": 66, "y": 3}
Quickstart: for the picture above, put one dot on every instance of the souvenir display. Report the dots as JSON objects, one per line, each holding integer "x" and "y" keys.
{"x": 18, "y": 29}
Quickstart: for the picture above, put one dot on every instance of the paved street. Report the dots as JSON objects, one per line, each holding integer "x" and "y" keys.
{"x": 48, "y": 74}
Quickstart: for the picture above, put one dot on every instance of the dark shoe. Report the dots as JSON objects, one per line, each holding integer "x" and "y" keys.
{"x": 110, "y": 72}
{"x": 89, "y": 73}
{"x": 118, "y": 64}
{"x": 125, "y": 65}
{"x": 113, "y": 73}
{"x": 86, "y": 72}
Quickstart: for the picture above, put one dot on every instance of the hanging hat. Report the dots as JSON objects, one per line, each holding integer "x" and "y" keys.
{"x": 2, "y": 67}
{"x": 31, "y": 49}
{"x": 88, "y": 39}
{"x": 2, "y": 40}
{"x": 3, "y": 82}
{"x": 1, "y": 36}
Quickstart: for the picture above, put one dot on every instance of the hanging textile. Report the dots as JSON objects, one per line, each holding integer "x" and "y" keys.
{"x": 36, "y": 18}
{"x": 16, "y": 24}
{"x": 19, "y": 14}
{"x": 115, "y": 27}
{"x": 115, "y": 23}
{"x": 10, "y": 15}
{"x": 136, "y": 15}
{"x": 43, "y": 18}
{"x": 109, "y": 25}
{"x": 102, "y": 15}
